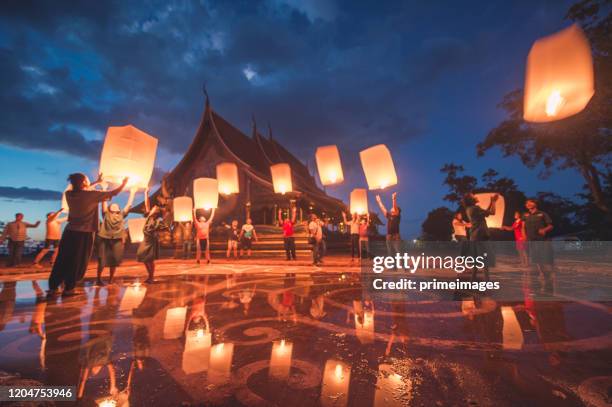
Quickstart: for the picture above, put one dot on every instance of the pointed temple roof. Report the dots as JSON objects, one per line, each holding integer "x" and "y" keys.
{"x": 217, "y": 140}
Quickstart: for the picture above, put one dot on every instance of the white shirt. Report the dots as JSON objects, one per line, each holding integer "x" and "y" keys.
{"x": 354, "y": 227}
{"x": 459, "y": 227}
{"x": 314, "y": 228}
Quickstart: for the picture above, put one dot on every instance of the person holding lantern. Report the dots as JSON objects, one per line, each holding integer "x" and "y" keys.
{"x": 479, "y": 231}
{"x": 111, "y": 237}
{"x": 148, "y": 250}
{"x": 394, "y": 216}
{"x": 78, "y": 237}
{"x": 288, "y": 238}
{"x": 202, "y": 227}
{"x": 247, "y": 235}
{"x": 52, "y": 237}
{"x": 354, "y": 230}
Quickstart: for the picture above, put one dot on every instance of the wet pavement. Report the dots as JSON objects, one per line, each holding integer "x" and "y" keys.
{"x": 302, "y": 339}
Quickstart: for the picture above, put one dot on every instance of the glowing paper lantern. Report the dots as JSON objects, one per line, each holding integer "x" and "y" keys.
{"x": 497, "y": 220}
{"x": 390, "y": 388}
{"x": 205, "y": 193}
{"x": 281, "y": 178}
{"x": 378, "y": 167}
{"x": 196, "y": 355}
{"x": 227, "y": 176}
{"x": 174, "y": 322}
{"x": 183, "y": 209}
{"x": 132, "y": 298}
{"x": 329, "y": 165}
{"x": 559, "y": 77}
{"x": 511, "y": 332}
{"x": 280, "y": 359}
{"x": 136, "y": 229}
{"x": 128, "y": 152}
{"x": 335, "y": 388}
{"x": 220, "y": 363}
{"x": 359, "y": 201}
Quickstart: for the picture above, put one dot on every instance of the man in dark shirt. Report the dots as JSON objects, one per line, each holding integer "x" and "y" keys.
{"x": 394, "y": 217}
{"x": 537, "y": 227}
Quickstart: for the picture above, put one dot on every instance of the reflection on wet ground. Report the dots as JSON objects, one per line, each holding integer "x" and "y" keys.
{"x": 302, "y": 340}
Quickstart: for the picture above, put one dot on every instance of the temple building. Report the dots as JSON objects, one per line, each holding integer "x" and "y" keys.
{"x": 218, "y": 141}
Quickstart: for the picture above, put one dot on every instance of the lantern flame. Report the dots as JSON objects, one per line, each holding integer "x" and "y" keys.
{"x": 200, "y": 333}
{"x": 107, "y": 403}
{"x": 554, "y": 103}
{"x": 338, "y": 371}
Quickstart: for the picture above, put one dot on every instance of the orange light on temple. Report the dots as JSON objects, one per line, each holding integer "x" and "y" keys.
{"x": 182, "y": 208}
{"x": 484, "y": 200}
{"x": 128, "y": 152}
{"x": 378, "y": 167}
{"x": 559, "y": 79}
{"x": 329, "y": 165}
{"x": 359, "y": 201}
{"x": 281, "y": 178}
{"x": 136, "y": 229}
{"x": 227, "y": 176}
{"x": 205, "y": 193}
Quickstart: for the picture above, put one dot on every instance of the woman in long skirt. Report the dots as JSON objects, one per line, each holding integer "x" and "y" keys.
{"x": 148, "y": 251}
{"x": 78, "y": 237}
{"x": 111, "y": 236}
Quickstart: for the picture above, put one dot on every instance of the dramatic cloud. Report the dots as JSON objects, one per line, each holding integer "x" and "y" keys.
{"x": 29, "y": 194}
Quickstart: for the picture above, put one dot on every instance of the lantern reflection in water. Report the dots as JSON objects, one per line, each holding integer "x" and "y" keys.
{"x": 174, "y": 322}
{"x": 280, "y": 359}
{"x": 227, "y": 176}
{"x": 511, "y": 332}
{"x": 378, "y": 167}
{"x": 335, "y": 388}
{"x": 281, "y": 178}
{"x": 559, "y": 80}
{"x": 128, "y": 152}
{"x": 220, "y": 363}
{"x": 205, "y": 193}
{"x": 484, "y": 200}
{"x": 329, "y": 165}
{"x": 132, "y": 298}
{"x": 359, "y": 201}
{"x": 391, "y": 388}
{"x": 182, "y": 207}
{"x": 196, "y": 355}
{"x": 136, "y": 229}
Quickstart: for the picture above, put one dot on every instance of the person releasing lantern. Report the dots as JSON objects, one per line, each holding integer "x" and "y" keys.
{"x": 227, "y": 177}
{"x": 329, "y": 165}
{"x": 281, "y": 178}
{"x": 128, "y": 152}
{"x": 378, "y": 167}
{"x": 559, "y": 80}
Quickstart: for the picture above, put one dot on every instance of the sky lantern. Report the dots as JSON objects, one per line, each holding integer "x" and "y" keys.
{"x": 182, "y": 208}
{"x": 136, "y": 229}
{"x": 281, "y": 178}
{"x": 335, "y": 388}
{"x": 559, "y": 78}
{"x": 205, "y": 193}
{"x": 128, "y": 152}
{"x": 378, "y": 167}
{"x": 220, "y": 364}
{"x": 196, "y": 354}
{"x": 174, "y": 324}
{"x": 359, "y": 201}
{"x": 329, "y": 165}
{"x": 494, "y": 221}
{"x": 227, "y": 177}
{"x": 280, "y": 359}
{"x": 511, "y": 333}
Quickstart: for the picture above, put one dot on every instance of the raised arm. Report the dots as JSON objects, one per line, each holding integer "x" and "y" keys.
{"x": 344, "y": 217}
{"x": 32, "y": 225}
{"x": 381, "y": 205}
{"x": 104, "y": 203}
{"x": 130, "y": 201}
{"x": 293, "y": 213}
{"x": 212, "y": 215}
{"x": 55, "y": 214}
{"x": 146, "y": 200}
{"x": 97, "y": 181}
{"x": 394, "y": 201}
{"x": 491, "y": 208}
{"x": 117, "y": 190}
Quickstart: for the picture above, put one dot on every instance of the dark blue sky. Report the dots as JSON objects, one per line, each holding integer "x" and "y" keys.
{"x": 423, "y": 77}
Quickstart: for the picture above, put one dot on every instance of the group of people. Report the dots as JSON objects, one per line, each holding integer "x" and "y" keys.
{"x": 531, "y": 233}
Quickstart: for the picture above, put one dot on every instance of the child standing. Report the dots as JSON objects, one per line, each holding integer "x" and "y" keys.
{"x": 247, "y": 234}
{"x": 233, "y": 236}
